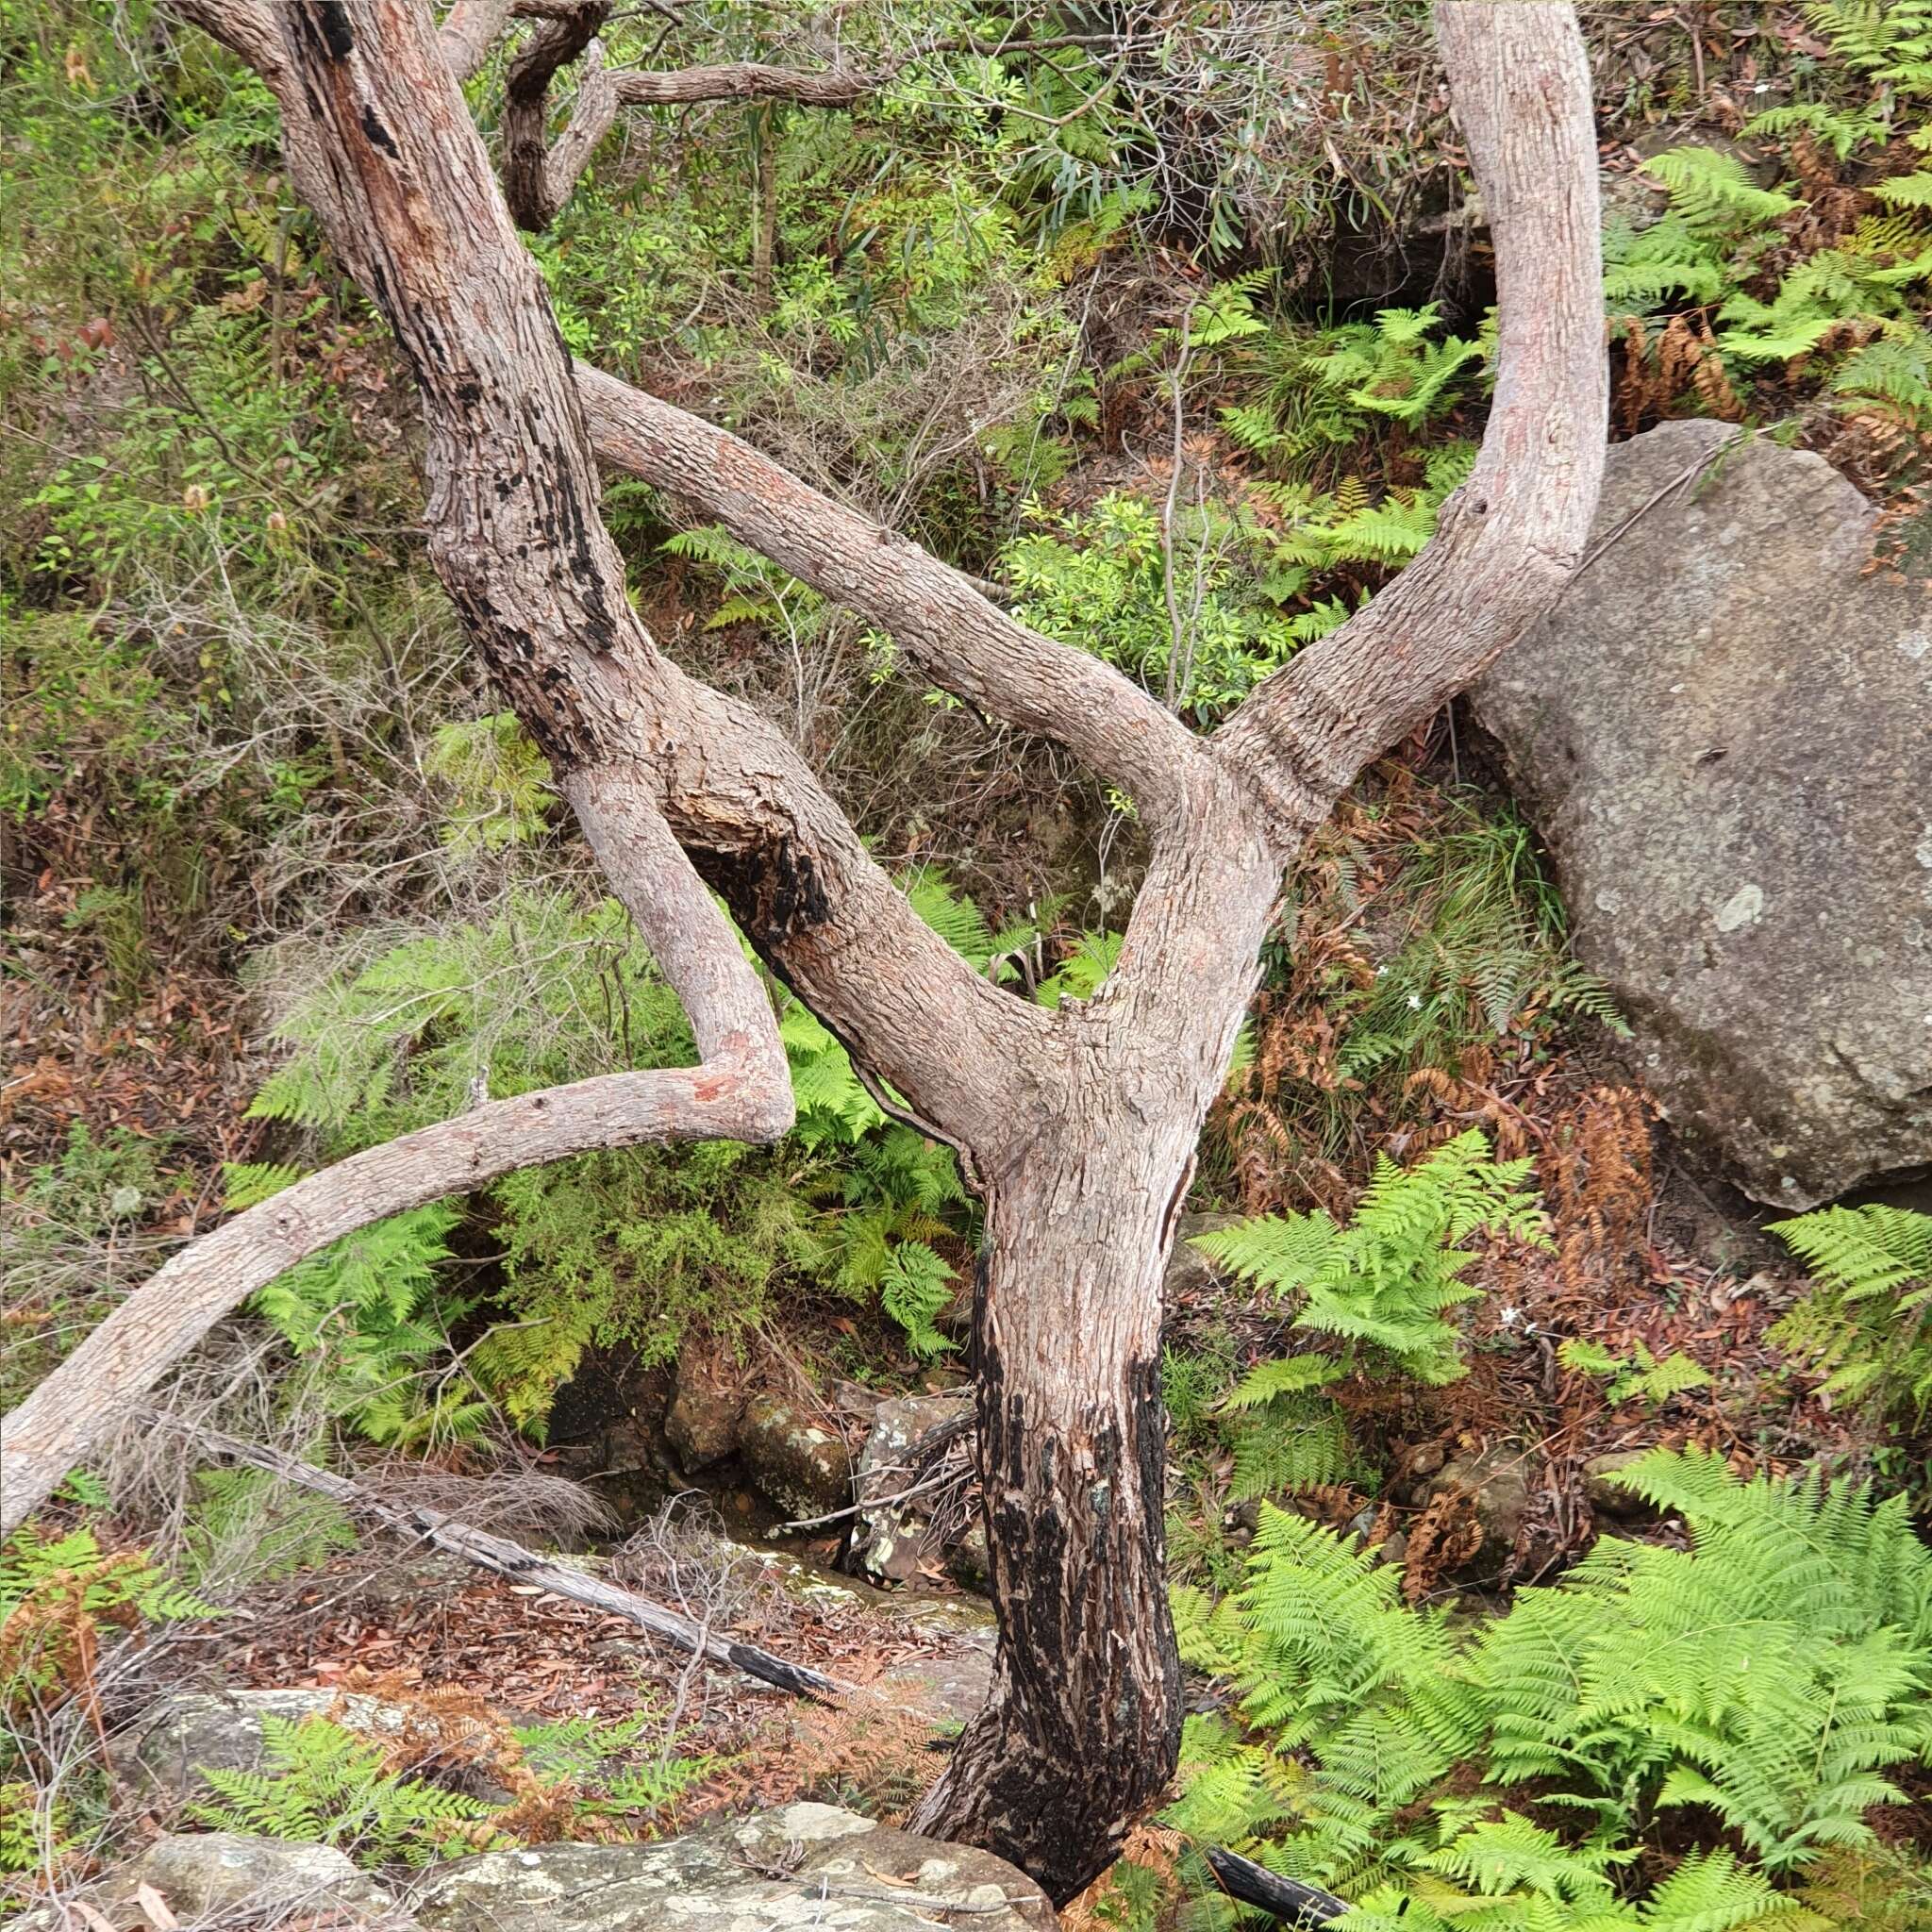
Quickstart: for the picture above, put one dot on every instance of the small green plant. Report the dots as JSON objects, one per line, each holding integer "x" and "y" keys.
{"x": 1868, "y": 1323}
{"x": 1381, "y": 1294}
{"x": 1099, "y": 579}
{"x": 1639, "y": 1375}
{"x": 321, "y": 1783}
{"x": 1324, "y": 391}
{"x": 1769, "y": 1676}
{"x": 608, "y": 1765}
{"x": 499, "y": 783}
{"x": 637, "y": 1247}
{"x": 60, "y": 1597}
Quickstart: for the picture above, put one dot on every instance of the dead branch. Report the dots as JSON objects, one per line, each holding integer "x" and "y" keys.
{"x": 512, "y": 1560}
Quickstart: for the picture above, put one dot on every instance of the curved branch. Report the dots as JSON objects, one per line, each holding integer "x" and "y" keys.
{"x": 938, "y": 617}
{"x": 1512, "y": 537}
{"x": 537, "y": 178}
{"x": 176, "y": 1307}
{"x": 742, "y": 1091}
{"x": 469, "y": 30}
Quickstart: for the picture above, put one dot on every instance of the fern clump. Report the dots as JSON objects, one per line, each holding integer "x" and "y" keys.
{"x": 1868, "y": 1323}
{"x": 1382, "y": 1287}
{"x": 640, "y": 1247}
{"x": 1771, "y": 1677}
{"x": 321, "y": 1783}
{"x": 1380, "y": 1292}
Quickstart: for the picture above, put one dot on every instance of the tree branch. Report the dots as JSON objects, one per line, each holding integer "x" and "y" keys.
{"x": 743, "y": 80}
{"x": 742, "y": 1091}
{"x": 941, "y": 620}
{"x": 1512, "y": 537}
{"x": 537, "y": 178}
{"x": 469, "y": 30}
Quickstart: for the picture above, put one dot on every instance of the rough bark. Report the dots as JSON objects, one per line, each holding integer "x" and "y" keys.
{"x": 537, "y": 178}
{"x": 1079, "y": 1125}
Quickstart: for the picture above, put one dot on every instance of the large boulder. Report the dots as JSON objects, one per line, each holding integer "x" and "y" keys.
{"x": 805, "y": 1865}
{"x": 1724, "y": 734}
{"x": 226, "y": 1877}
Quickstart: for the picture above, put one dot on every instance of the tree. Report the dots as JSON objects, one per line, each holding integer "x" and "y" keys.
{"x": 1076, "y": 1126}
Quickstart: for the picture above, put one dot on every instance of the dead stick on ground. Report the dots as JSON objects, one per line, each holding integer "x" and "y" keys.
{"x": 512, "y": 1559}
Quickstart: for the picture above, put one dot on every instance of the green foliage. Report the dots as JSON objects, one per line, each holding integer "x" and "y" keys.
{"x": 72, "y": 1566}
{"x": 85, "y": 704}
{"x": 1382, "y": 1287}
{"x": 1769, "y": 1676}
{"x": 604, "y": 1762}
{"x": 59, "y": 1597}
{"x": 1098, "y": 578}
{"x": 1484, "y": 942}
{"x": 1851, "y": 312}
{"x": 1889, "y": 39}
{"x": 1382, "y": 1290}
{"x": 499, "y": 782}
{"x": 639, "y": 1247}
{"x": 1321, "y": 391}
{"x": 369, "y": 1303}
{"x": 1639, "y": 1375}
{"x": 282, "y": 1532}
{"x": 70, "y": 1238}
{"x": 321, "y": 1783}
{"x": 1868, "y": 1323}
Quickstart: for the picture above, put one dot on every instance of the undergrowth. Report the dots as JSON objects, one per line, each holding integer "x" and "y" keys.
{"x": 1772, "y": 1676}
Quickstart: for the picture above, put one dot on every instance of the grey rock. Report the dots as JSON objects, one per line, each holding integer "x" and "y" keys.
{"x": 1190, "y": 1274}
{"x": 221, "y": 1875}
{"x": 794, "y": 1458}
{"x": 970, "y": 1562}
{"x": 886, "y": 1541}
{"x": 804, "y": 1865}
{"x": 1609, "y": 1498}
{"x": 1498, "y": 1483}
{"x": 1724, "y": 734}
{"x": 950, "y": 1689}
{"x": 706, "y": 1404}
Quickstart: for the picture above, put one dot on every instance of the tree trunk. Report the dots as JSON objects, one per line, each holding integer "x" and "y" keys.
{"x": 1071, "y": 1446}
{"x": 1083, "y": 1728}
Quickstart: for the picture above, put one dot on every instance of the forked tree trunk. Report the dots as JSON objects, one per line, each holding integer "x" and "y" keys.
{"x": 1079, "y": 1125}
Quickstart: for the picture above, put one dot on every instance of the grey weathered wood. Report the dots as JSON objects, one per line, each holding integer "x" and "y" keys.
{"x": 507, "y": 1558}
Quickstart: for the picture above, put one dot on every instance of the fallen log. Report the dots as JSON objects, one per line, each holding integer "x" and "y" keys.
{"x": 1288, "y": 1899}
{"x": 508, "y": 1558}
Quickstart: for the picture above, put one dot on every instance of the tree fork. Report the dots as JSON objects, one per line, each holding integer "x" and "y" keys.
{"x": 1082, "y": 1122}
